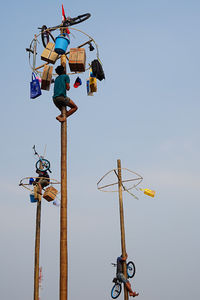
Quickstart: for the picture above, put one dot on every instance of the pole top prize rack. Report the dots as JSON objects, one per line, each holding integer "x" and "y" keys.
{"x": 130, "y": 180}
{"x": 42, "y": 165}
{"x": 46, "y": 35}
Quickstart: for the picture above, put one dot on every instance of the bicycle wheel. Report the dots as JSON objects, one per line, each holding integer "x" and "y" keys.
{"x": 42, "y": 165}
{"x": 116, "y": 290}
{"x": 72, "y": 21}
{"x": 130, "y": 269}
{"x": 45, "y": 36}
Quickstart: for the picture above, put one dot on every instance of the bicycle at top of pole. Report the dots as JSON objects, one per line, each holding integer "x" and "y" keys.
{"x": 46, "y": 31}
{"x": 42, "y": 164}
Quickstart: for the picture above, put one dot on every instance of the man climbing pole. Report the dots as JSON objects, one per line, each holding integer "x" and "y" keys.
{"x": 60, "y": 99}
{"x": 41, "y": 181}
{"x": 120, "y": 276}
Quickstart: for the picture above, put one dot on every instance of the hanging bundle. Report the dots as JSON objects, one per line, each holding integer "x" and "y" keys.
{"x": 97, "y": 69}
{"x": 91, "y": 84}
{"x": 50, "y": 193}
{"x": 35, "y": 90}
{"x": 77, "y": 82}
{"x": 148, "y": 192}
{"x": 32, "y": 198}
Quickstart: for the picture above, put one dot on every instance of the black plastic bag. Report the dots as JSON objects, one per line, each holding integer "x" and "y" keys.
{"x": 97, "y": 70}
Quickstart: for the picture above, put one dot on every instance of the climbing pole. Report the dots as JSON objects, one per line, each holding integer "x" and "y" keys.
{"x": 131, "y": 180}
{"x": 36, "y": 197}
{"x": 63, "y": 207}
{"x": 121, "y": 212}
{"x": 80, "y": 60}
{"x": 37, "y": 250}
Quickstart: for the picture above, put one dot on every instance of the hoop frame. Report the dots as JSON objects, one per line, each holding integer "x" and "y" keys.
{"x": 71, "y": 28}
{"x": 25, "y": 185}
{"x": 139, "y": 179}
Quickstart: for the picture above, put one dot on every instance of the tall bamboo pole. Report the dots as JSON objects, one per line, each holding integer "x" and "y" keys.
{"x": 63, "y": 207}
{"x": 38, "y": 214}
{"x": 37, "y": 250}
{"x": 121, "y": 212}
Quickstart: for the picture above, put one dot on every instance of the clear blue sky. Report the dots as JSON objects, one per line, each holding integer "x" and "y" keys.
{"x": 146, "y": 113}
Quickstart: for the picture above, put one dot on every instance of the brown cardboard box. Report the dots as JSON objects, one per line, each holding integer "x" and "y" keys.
{"x": 50, "y": 193}
{"x": 77, "y": 59}
{"x": 46, "y": 77}
{"x": 49, "y": 54}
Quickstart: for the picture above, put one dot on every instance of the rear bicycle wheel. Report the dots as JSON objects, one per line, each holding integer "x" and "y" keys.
{"x": 116, "y": 290}
{"x": 130, "y": 269}
{"x": 45, "y": 36}
{"x": 42, "y": 165}
{"x": 73, "y": 21}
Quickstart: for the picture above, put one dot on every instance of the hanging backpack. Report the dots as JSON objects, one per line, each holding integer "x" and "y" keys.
{"x": 97, "y": 70}
{"x": 35, "y": 90}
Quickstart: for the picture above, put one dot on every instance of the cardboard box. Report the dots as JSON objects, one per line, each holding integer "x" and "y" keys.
{"x": 46, "y": 77}
{"x": 49, "y": 54}
{"x": 77, "y": 59}
{"x": 50, "y": 193}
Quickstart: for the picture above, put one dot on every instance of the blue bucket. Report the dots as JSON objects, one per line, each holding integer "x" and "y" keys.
{"x": 32, "y": 199}
{"x": 61, "y": 44}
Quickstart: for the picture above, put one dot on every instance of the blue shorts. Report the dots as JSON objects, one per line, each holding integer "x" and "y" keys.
{"x": 121, "y": 277}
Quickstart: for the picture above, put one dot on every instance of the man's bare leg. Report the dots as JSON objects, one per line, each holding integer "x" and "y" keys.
{"x": 131, "y": 293}
{"x": 73, "y": 108}
{"x": 60, "y": 118}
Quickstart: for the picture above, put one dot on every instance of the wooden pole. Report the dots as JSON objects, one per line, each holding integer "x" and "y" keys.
{"x": 37, "y": 250}
{"x": 38, "y": 197}
{"x": 63, "y": 207}
{"x": 121, "y": 212}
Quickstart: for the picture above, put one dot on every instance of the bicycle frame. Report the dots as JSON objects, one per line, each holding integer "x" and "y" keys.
{"x": 42, "y": 164}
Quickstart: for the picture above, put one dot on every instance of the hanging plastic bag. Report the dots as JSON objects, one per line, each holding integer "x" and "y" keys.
{"x": 32, "y": 199}
{"x": 31, "y": 180}
{"x": 35, "y": 90}
{"x": 77, "y": 82}
{"x": 93, "y": 84}
{"x": 56, "y": 202}
{"x": 89, "y": 93}
{"x": 97, "y": 70}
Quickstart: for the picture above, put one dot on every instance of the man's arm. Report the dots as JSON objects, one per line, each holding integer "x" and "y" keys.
{"x": 124, "y": 258}
{"x": 67, "y": 86}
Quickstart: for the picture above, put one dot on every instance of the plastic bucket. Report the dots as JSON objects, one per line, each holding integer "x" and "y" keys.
{"x": 61, "y": 44}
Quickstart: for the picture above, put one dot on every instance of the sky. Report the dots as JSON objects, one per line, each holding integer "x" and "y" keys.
{"x": 145, "y": 113}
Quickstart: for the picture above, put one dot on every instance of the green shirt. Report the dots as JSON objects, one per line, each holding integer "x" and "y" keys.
{"x": 60, "y": 85}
